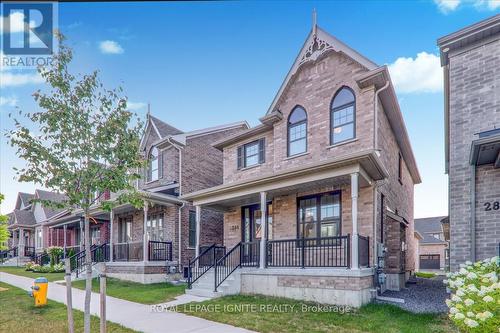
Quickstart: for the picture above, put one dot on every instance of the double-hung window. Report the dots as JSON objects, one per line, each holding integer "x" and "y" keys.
{"x": 343, "y": 116}
{"x": 155, "y": 165}
{"x": 252, "y": 153}
{"x": 297, "y": 131}
{"x": 154, "y": 226}
{"x": 319, "y": 216}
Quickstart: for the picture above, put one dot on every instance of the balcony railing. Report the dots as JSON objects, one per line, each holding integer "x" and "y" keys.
{"x": 159, "y": 251}
{"x": 130, "y": 251}
{"x": 317, "y": 252}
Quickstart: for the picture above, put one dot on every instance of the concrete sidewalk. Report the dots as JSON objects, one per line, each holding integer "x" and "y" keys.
{"x": 136, "y": 316}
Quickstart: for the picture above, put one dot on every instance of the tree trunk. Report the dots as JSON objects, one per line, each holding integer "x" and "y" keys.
{"x": 88, "y": 278}
{"x": 102, "y": 280}
{"x": 69, "y": 301}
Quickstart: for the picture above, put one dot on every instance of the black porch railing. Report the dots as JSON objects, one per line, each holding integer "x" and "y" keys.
{"x": 159, "y": 251}
{"x": 364, "y": 251}
{"x": 204, "y": 262}
{"x": 7, "y": 254}
{"x": 243, "y": 254}
{"x": 98, "y": 254}
{"x": 42, "y": 259}
{"x": 131, "y": 251}
{"x": 317, "y": 252}
{"x": 29, "y": 251}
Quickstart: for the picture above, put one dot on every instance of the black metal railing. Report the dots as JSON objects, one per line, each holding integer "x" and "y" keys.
{"x": 364, "y": 251}
{"x": 130, "y": 251}
{"x": 42, "y": 259}
{"x": 29, "y": 251}
{"x": 314, "y": 252}
{"x": 204, "y": 262}
{"x": 243, "y": 254}
{"x": 98, "y": 254}
{"x": 159, "y": 251}
{"x": 7, "y": 254}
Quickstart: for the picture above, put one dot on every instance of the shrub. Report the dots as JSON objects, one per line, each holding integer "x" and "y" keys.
{"x": 57, "y": 268}
{"x": 55, "y": 252}
{"x": 475, "y": 298}
{"x": 29, "y": 266}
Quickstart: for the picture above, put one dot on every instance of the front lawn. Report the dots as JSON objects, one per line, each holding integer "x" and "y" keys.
{"x": 425, "y": 275}
{"x": 22, "y": 272}
{"x": 136, "y": 292}
{"x": 19, "y": 315}
{"x": 370, "y": 318}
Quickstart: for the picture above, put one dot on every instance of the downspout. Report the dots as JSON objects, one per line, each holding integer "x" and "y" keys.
{"x": 473, "y": 213}
{"x": 179, "y": 226}
{"x": 377, "y": 184}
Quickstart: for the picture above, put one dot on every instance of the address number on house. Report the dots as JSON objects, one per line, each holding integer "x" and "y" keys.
{"x": 494, "y": 205}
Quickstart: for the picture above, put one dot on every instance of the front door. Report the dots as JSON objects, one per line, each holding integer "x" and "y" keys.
{"x": 251, "y": 227}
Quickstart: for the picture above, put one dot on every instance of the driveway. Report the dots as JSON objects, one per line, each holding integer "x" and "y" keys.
{"x": 136, "y": 316}
{"x": 427, "y": 295}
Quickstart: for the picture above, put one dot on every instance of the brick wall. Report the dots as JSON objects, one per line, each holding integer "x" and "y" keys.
{"x": 474, "y": 108}
{"x": 434, "y": 249}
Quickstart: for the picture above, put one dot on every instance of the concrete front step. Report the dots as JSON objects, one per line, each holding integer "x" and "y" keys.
{"x": 205, "y": 285}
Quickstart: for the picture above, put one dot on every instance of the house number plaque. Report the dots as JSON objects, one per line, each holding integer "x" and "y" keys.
{"x": 493, "y": 205}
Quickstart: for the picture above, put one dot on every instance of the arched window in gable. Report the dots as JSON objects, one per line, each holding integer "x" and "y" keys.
{"x": 343, "y": 116}
{"x": 297, "y": 131}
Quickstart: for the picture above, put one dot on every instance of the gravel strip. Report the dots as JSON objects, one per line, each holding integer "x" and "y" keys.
{"x": 426, "y": 296}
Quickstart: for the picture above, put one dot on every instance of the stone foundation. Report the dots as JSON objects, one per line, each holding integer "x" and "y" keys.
{"x": 143, "y": 272}
{"x": 325, "y": 286}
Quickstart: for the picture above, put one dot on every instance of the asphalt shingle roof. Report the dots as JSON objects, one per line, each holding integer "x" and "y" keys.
{"x": 24, "y": 217}
{"x": 164, "y": 128}
{"x": 26, "y": 197}
{"x": 50, "y": 196}
{"x": 429, "y": 225}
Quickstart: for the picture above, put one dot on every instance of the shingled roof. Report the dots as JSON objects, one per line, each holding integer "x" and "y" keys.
{"x": 163, "y": 128}
{"x": 50, "y": 196}
{"x": 26, "y": 198}
{"x": 428, "y": 226}
{"x": 23, "y": 217}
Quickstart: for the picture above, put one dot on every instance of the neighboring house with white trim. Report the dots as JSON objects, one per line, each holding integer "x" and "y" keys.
{"x": 433, "y": 247}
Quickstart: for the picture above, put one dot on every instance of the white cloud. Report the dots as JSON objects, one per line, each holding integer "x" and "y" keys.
{"x": 134, "y": 106}
{"x": 110, "y": 47}
{"x": 8, "y": 101}
{"x": 493, "y": 4}
{"x": 10, "y": 79}
{"x": 447, "y": 6}
{"x": 417, "y": 75}
{"x": 16, "y": 22}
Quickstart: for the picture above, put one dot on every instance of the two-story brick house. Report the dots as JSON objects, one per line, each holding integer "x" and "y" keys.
{"x": 146, "y": 245}
{"x": 331, "y": 169}
{"x": 471, "y": 62}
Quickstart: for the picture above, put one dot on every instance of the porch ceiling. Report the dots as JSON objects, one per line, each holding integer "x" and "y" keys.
{"x": 330, "y": 173}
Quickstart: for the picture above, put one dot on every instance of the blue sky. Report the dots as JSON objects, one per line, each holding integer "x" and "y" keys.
{"x": 205, "y": 63}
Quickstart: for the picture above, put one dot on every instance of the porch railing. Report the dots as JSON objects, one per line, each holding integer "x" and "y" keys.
{"x": 317, "y": 252}
{"x": 364, "y": 251}
{"x": 42, "y": 258}
{"x": 130, "y": 251}
{"x": 243, "y": 254}
{"x": 98, "y": 254}
{"x": 204, "y": 262}
{"x": 29, "y": 251}
{"x": 159, "y": 251}
{"x": 7, "y": 254}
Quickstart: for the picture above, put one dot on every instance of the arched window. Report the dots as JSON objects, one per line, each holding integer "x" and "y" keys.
{"x": 297, "y": 131}
{"x": 154, "y": 164}
{"x": 343, "y": 116}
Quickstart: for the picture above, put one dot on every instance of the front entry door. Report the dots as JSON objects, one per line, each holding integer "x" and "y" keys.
{"x": 251, "y": 227}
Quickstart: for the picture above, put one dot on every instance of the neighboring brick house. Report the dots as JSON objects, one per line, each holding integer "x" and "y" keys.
{"x": 332, "y": 168}
{"x": 146, "y": 249}
{"x": 471, "y": 61}
{"x": 433, "y": 247}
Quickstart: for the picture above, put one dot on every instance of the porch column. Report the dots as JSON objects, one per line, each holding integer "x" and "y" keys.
{"x": 198, "y": 226}
{"x": 111, "y": 219}
{"x": 145, "y": 233}
{"x": 354, "y": 213}
{"x": 64, "y": 240}
{"x": 263, "y": 240}
{"x": 20, "y": 250}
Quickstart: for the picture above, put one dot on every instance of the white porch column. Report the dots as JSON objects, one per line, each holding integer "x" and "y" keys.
{"x": 145, "y": 234}
{"x": 263, "y": 240}
{"x": 354, "y": 213}
{"x": 21, "y": 243}
{"x": 111, "y": 218}
{"x": 64, "y": 240}
{"x": 198, "y": 230}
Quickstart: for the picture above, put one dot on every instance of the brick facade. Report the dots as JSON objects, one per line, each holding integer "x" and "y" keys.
{"x": 474, "y": 107}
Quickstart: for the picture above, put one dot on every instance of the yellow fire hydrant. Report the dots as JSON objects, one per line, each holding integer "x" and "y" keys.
{"x": 39, "y": 291}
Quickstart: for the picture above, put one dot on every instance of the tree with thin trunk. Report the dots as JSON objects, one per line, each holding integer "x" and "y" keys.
{"x": 84, "y": 143}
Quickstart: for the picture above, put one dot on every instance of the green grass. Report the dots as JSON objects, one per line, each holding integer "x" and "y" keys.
{"x": 19, "y": 315}
{"x": 136, "y": 292}
{"x": 22, "y": 272}
{"x": 370, "y": 318}
{"x": 425, "y": 275}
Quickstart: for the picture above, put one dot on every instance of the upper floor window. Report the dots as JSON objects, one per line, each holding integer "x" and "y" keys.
{"x": 343, "y": 116}
{"x": 297, "y": 131}
{"x": 251, "y": 154}
{"x": 154, "y": 168}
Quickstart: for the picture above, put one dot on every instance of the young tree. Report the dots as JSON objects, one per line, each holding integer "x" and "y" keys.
{"x": 4, "y": 233}
{"x": 86, "y": 142}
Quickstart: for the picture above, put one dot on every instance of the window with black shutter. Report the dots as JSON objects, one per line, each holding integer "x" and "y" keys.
{"x": 251, "y": 154}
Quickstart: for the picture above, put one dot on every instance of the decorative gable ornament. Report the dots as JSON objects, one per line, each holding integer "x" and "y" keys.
{"x": 316, "y": 48}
